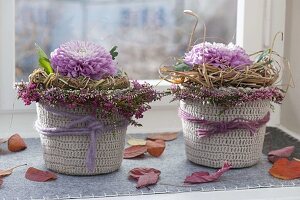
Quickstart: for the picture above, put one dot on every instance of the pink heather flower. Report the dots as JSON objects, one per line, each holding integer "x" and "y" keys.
{"x": 28, "y": 93}
{"x": 218, "y": 55}
{"x": 79, "y": 58}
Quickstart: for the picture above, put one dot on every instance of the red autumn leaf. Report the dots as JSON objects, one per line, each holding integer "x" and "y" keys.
{"x": 147, "y": 179}
{"x": 144, "y": 176}
{"x": 167, "y": 136}
{"x": 16, "y": 143}
{"x": 204, "y": 177}
{"x": 37, "y": 175}
{"x": 285, "y": 169}
{"x": 286, "y": 152}
{"x": 140, "y": 171}
{"x": 135, "y": 151}
{"x": 155, "y": 148}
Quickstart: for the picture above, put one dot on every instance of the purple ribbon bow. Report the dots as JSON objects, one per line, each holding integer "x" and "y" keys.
{"x": 93, "y": 127}
{"x": 215, "y": 127}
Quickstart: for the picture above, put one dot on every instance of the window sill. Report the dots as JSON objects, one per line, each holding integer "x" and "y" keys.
{"x": 287, "y": 193}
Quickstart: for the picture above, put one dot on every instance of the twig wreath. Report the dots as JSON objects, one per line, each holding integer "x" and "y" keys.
{"x": 225, "y": 74}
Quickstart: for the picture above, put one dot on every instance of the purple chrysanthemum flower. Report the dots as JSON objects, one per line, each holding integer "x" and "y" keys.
{"x": 218, "y": 55}
{"x": 79, "y": 58}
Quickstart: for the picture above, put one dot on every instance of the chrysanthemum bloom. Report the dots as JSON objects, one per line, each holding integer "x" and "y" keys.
{"x": 79, "y": 58}
{"x": 218, "y": 55}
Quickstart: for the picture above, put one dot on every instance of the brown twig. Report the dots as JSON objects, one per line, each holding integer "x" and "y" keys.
{"x": 260, "y": 74}
{"x": 55, "y": 80}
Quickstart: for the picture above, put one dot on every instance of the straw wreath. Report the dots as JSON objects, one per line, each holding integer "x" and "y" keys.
{"x": 260, "y": 74}
{"x": 39, "y": 76}
{"x": 263, "y": 72}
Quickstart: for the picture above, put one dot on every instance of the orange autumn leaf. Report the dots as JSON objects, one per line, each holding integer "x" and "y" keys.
{"x": 135, "y": 151}
{"x": 167, "y": 136}
{"x": 16, "y": 143}
{"x": 7, "y": 172}
{"x": 285, "y": 169}
{"x": 155, "y": 148}
{"x": 37, "y": 175}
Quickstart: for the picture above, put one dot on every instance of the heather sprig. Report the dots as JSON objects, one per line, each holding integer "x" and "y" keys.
{"x": 129, "y": 103}
{"x": 28, "y": 93}
{"x": 227, "y": 96}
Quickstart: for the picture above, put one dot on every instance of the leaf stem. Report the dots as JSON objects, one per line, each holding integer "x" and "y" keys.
{"x": 17, "y": 166}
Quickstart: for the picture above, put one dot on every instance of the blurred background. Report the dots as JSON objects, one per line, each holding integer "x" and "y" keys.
{"x": 147, "y": 33}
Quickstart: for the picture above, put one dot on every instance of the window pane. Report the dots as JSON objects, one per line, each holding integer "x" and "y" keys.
{"x": 147, "y": 33}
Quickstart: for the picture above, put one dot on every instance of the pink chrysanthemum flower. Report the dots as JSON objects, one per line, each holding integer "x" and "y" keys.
{"x": 218, "y": 55}
{"x": 79, "y": 58}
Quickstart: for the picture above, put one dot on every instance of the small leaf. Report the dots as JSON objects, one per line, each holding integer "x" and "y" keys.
{"x": 37, "y": 175}
{"x": 155, "y": 148}
{"x": 45, "y": 64}
{"x": 8, "y": 172}
{"x": 40, "y": 51}
{"x": 135, "y": 141}
{"x": 262, "y": 55}
{"x": 204, "y": 177}
{"x": 147, "y": 179}
{"x": 43, "y": 59}
{"x": 285, "y": 169}
{"x": 182, "y": 67}
{"x": 113, "y": 52}
{"x": 286, "y": 152}
{"x": 137, "y": 172}
{"x": 134, "y": 151}
{"x": 167, "y": 136}
{"x": 144, "y": 176}
{"x": 16, "y": 143}
{"x": 1, "y": 181}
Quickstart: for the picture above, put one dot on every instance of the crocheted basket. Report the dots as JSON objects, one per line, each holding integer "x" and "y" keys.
{"x": 67, "y": 154}
{"x": 238, "y": 146}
